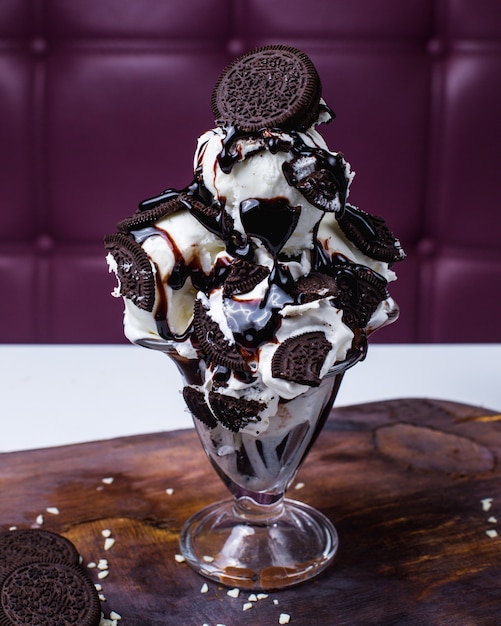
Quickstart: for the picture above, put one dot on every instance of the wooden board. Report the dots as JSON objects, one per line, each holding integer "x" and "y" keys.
{"x": 402, "y": 480}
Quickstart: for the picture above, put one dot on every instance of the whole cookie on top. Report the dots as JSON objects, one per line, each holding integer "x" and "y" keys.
{"x": 270, "y": 87}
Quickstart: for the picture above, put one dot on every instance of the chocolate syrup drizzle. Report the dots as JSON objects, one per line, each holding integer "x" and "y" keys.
{"x": 272, "y": 221}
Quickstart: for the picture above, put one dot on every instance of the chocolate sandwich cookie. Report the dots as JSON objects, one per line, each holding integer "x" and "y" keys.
{"x": 315, "y": 286}
{"x": 35, "y": 544}
{"x": 195, "y": 401}
{"x": 235, "y": 413}
{"x": 360, "y": 292}
{"x": 273, "y": 86}
{"x": 370, "y": 234}
{"x": 320, "y": 189}
{"x": 243, "y": 277}
{"x": 300, "y": 359}
{"x": 212, "y": 217}
{"x": 141, "y": 219}
{"x": 320, "y": 177}
{"x": 48, "y": 594}
{"x": 135, "y": 275}
{"x": 213, "y": 344}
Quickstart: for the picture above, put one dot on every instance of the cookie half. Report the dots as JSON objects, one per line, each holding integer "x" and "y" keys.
{"x": 360, "y": 292}
{"x": 300, "y": 359}
{"x": 47, "y": 593}
{"x": 214, "y": 218}
{"x": 273, "y": 86}
{"x": 320, "y": 177}
{"x": 315, "y": 286}
{"x": 137, "y": 282}
{"x": 235, "y": 413}
{"x": 141, "y": 219}
{"x": 370, "y": 234}
{"x": 214, "y": 344}
{"x": 195, "y": 401}
{"x": 243, "y": 277}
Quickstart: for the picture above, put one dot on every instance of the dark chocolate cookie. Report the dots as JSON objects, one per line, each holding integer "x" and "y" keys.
{"x": 137, "y": 282}
{"x": 243, "y": 277}
{"x": 321, "y": 177}
{"x": 370, "y": 234}
{"x": 360, "y": 292}
{"x": 195, "y": 401}
{"x": 31, "y": 544}
{"x": 299, "y": 359}
{"x": 212, "y": 217}
{"x": 274, "y": 86}
{"x": 235, "y": 413}
{"x": 315, "y": 286}
{"x": 213, "y": 344}
{"x": 48, "y": 594}
{"x": 141, "y": 219}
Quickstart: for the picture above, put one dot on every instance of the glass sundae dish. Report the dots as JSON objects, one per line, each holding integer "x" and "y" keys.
{"x": 262, "y": 283}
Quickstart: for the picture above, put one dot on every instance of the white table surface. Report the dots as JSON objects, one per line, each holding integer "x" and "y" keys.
{"x": 59, "y": 394}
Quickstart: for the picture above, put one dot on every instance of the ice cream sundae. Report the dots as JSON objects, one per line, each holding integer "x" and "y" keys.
{"x": 259, "y": 278}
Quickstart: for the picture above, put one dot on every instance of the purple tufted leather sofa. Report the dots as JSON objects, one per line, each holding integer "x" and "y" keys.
{"x": 101, "y": 102}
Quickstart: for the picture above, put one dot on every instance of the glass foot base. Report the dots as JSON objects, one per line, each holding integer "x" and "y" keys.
{"x": 291, "y": 544}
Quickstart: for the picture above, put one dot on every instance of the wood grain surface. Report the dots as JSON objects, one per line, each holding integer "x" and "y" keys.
{"x": 406, "y": 482}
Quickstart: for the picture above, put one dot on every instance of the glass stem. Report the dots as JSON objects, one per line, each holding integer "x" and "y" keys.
{"x": 250, "y": 510}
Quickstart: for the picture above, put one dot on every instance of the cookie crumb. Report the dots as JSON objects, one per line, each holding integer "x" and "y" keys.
{"x": 247, "y": 606}
{"x": 233, "y": 593}
{"x": 284, "y": 618}
{"x": 491, "y": 533}
{"x": 486, "y": 503}
{"x": 53, "y": 510}
{"x": 109, "y": 542}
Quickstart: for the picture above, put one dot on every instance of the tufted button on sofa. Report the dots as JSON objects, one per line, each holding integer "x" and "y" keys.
{"x": 101, "y": 103}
